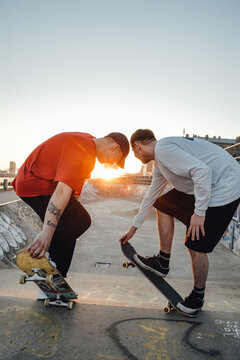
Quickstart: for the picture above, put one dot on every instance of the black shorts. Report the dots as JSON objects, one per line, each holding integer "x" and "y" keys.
{"x": 181, "y": 206}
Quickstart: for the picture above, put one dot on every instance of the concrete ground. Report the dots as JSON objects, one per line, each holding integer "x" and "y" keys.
{"x": 118, "y": 314}
{"x": 6, "y": 196}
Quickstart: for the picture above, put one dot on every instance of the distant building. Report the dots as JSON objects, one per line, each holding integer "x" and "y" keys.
{"x": 12, "y": 168}
{"x": 231, "y": 145}
{"x": 3, "y": 172}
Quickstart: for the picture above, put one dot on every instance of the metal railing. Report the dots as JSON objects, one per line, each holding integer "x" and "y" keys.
{"x": 232, "y": 146}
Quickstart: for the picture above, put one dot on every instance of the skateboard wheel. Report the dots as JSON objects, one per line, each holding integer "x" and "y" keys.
{"x": 125, "y": 265}
{"x": 49, "y": 279}
{"x": 46, "y": 302}
{"x": 70, "y": 305}
{"x": 22, "y": 279}
{"x": 167, "y": 309}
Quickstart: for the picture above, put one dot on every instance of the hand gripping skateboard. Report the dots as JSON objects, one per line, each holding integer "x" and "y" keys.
{"x": 47, "y": 278}
{"x": 162, "y": 285}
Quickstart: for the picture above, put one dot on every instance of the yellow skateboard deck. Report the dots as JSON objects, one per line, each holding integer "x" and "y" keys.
{"x": 47, "y": 278}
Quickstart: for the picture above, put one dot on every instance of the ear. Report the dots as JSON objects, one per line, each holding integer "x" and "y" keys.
{"x": 137, "y": 146}
{"x": 115, "y": 147}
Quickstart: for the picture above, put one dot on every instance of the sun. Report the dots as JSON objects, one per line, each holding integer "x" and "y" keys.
{"x": 106, "y": 173}
{"x": 109, "y": 174}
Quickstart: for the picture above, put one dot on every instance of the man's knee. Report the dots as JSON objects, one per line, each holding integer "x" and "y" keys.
{"x": 162, "y": 214}
{"x": 196, "y": 254}
{"x": 75, "y": 221}
{"x": 166, "y": 209}
{"x": 160, "y": 205}
{"x": 83, "y": 223}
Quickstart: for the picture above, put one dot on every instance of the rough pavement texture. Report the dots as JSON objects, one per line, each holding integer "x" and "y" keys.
{"x": 119, "y": 313}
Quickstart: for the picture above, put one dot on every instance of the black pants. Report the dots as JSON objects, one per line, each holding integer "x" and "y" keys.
{"x": 74, "y": 221}
{"x": 181, "y": 206}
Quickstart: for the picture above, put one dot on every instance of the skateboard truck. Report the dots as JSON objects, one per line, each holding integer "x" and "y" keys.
{"x": 58, "y": 302}
{"x": 39, "y": 275}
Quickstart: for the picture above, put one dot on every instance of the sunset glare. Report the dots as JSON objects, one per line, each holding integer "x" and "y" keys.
{"x": 105, "y": 173}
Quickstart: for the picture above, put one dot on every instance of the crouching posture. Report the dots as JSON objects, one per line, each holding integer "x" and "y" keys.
{"x": 205, "y": 194}
{"x": 51, "y": 180}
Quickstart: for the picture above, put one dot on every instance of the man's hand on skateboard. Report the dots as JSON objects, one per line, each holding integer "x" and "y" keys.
{"x": 126, "y": 237}
{"x": 56, "y": 206}
{"x": 196, "y": 225}
{"x": 40, "y": 245}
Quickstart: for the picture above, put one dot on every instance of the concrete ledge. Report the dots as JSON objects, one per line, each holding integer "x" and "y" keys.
{"x": 18, "y": 227}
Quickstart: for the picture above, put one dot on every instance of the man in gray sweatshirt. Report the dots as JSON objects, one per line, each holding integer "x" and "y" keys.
{"x": 205, "y": 194}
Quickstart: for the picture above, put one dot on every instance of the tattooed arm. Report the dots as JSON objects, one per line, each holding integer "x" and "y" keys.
{"x": 56, "y": 206}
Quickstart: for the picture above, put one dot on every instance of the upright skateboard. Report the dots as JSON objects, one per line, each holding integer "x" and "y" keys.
{"x": 162, "y": 285}
{"x": 47, "y": 278}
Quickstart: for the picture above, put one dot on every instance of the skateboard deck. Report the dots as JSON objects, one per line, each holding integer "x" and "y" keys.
{"x": 162, "y": 285}
{"x": 47, "y": 278}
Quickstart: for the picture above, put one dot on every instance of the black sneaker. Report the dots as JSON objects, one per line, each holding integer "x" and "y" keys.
{"x": 191, "y": 305}
{"x": 152, "y": 264}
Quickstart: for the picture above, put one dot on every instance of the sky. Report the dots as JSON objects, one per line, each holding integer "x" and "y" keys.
{"x": 99, "y": 66}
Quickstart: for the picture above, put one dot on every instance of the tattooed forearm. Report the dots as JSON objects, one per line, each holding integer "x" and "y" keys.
{"x": 51, "y": 224}
{"x": 54, "y": 210}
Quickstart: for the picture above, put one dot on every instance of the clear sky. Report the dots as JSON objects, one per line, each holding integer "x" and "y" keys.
{"x": 117, "y": 65}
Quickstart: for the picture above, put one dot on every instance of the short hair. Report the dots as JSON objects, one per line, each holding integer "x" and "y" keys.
{"x": 143, "y": 135}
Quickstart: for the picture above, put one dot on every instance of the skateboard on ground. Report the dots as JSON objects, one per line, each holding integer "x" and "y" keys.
{"x": 162, "y": 285}
{"x": 47, "y": 278}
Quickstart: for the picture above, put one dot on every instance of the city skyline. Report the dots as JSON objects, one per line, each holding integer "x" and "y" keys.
{"x": 106, "y": 66}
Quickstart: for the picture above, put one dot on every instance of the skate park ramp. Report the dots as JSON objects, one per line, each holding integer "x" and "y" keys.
{"x": 118, "y": 314}
{"x": 19, "y": 225}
